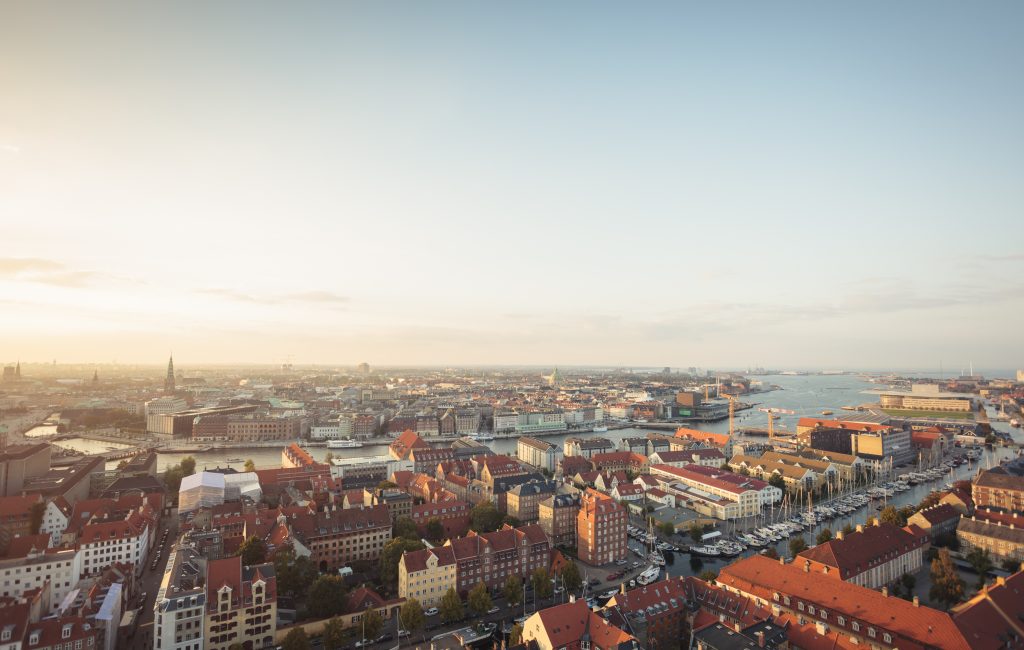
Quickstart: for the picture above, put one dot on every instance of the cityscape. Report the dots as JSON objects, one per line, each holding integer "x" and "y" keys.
{"x": 546, "y": 326}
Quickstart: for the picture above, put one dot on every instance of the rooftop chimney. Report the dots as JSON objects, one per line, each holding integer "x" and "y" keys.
{"x": 839, "y": 535}
{"x": 860, "y": 528}
{"x": 885, "y": 591}
{"x": 917, "y": 601}
{"x": 807, "y": 566}
{"x": 760, "y": 638}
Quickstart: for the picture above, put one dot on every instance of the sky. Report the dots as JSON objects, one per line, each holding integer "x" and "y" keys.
{"x": 786, "y": 184}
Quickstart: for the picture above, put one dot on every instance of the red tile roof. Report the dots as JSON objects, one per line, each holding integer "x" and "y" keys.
{"x": 763, "y": 577}
{"x": 994, "y": 618}
{"x": 866, "y": 548}
{"x": 567, "y": 624}
{"x": 842, "y": 424}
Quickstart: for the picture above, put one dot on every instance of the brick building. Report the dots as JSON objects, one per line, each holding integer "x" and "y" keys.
{"x": 600, "y": 529}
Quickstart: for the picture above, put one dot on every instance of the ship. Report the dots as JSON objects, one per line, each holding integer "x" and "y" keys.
{"x": 344, "y": 444}
{"x": 482, "y": 437}
{"x": 648, "y": 576}
{"x": 601, "y": 429}
{"x": 826, "y": 412}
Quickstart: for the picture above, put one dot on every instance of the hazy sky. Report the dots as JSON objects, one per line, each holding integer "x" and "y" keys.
{"x": 790, "y": 184}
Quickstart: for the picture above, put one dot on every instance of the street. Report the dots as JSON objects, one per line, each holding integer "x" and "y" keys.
{"x": 149, "y": 583}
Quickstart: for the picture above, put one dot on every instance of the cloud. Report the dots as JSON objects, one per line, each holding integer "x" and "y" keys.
{"x": 14, "y": 266}
{"x": 9, "y": 148}
{"x": 315, "y": 297}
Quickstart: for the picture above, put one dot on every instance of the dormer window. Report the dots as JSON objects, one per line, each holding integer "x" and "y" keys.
{"x": 65, "y": 632}
{"x": 33, "y": 639}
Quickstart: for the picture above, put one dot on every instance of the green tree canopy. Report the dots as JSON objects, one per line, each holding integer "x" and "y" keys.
{"x": 334, "y": 634}
{"x": 296, "y": 639}
{"x": 890, "y": 515}
{"x": 253, "y": 551}
{"x": 411, "y": 616}
{"x": 513, "y": 590}
{"x": 571, "y": 578}
{"x": 36, "y": 513}
{"x": 405, "y": 527}
{"x": 696, "y": 531}
{"x": 541, "y": 583}
{"x": 435, "y": 530}
{"x": 390, "y": 556}
{"x": 479, "y": 599}
{"x": 947, "y": 587}
{"x": 451, "y": 606}
{"x": 294, "y": 574}
{"x": 515, "y": 636}
{"x": 485, "y": 518}
{"x": 250, "y": 465}
{"x": 982, "y": 563}
{"x": 824, "y": 536}
{"x": 188, "y": 466}
{"x": 372, "y": 624}
{"x": 326, "y": 597}
{"x": 771, "y": 553}
{"x": 667, "y": 528}
{"x": 797, "y": 545}
{"x": 776, "y": 480}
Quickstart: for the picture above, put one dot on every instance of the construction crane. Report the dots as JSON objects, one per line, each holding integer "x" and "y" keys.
{"x": 732, "y": 408}
{"x": 771, "y": 418}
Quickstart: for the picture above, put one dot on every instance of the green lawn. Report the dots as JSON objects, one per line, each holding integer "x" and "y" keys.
{"x": 940, "y": 415}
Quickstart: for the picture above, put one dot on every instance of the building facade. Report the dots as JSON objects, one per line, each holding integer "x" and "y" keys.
{"x": 600, "y": 529}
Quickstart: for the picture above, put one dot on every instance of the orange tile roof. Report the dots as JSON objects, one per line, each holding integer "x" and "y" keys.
{"x": 763, "y": 577}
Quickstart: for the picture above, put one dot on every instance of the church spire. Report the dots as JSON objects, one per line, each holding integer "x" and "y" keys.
{"x": 169, "y": 380}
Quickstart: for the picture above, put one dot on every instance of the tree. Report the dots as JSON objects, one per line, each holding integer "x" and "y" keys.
{"x": 513, "y": 590}
{"x": 384, "y": 485}
{"x": 776, "y": 480}
{"x": 708, "y": 575}
{"x": 479, "y": 599}
{"x": 485, "y": 518}
{"x": 296, "y": 639}
{"x": 435, "y": 529}
{"x": 982, "y": 563}
{"x": 1011, "y": 565}
{"x": 334, "y": 634}
{"x": 188, "y": 466}
{"x": 326, "y": 597}
{"x": 250, "y": 466}
{"x": 932, "y": 499}
{"x": 511, "y": 521}
{"x": 405, "y": 527}
{"x": 515, "y": 635}
{"x": 411, "y": 616}
{"x": 36, "y": 513}
{"x": 373, "y": 624}
{"x": 797, "y": 545}
{"x": 390, "y": 556}
{"x": 571, "y": 578}
{"x": 253, "y": 551}
{"x": 771, "y": 553}
{"x": 909, "y": 582}
{"x": 824, "y": 536}
{"x": 947, "y": 587}
{"x": 328, "y": 458}
{"x": 541, "y": 583}
{"x": 847, "y": 529}
{"x": 172, "y": 478}
{"x": 890, "y": 515}
{"x": 696, "y": 531}
{"x": 666, "y": 528}
{"x": 294, "y": 574}
{"x": 451, "y": 606}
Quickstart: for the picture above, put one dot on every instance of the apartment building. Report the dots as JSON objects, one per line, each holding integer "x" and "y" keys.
{"x": 872, "y": 556}
{"x": 241, "y": 605}
{"x": 587, "y": 447}
{"x": 573, "y": 626}
{"x": 619, "y": 461}
{"x": 747, "y": 493}
{"x": 600, "y": 529}
{"x": 1003, "y": 541}
{"x": 522, "y": 501}
{"x": 657, "y": 613}
{"x": 337, "y": 536}
{"x": 999, "y": 490}
{"x": 868, "y": 618}
{"x": 538, "y": 453}
{"x": 492, "y": 557}
{"x": 180, "y": 603}
{"x": 248, "y": 428}
{"x": 16, "y": 517}
{"x": 129, "y": 540}
{"x": 556, "y": 515}
{"x": 505, "y": 421}
{"x": 427, "y": 575}
{"x": 35, "y": 568}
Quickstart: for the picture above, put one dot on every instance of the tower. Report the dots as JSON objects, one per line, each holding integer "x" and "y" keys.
{"x": 169, "y": 380}
{"x": 17, "y": 371}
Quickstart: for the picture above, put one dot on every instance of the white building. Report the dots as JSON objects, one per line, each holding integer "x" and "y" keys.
{"x": 505, "y": 421}
{"x": 180, "y": 603}
{"x": 55, "y": 519}
{"x": 200, "y": 490}
{"x": 105, "y": 542}
{"x": 60, "y": 569}
{"x": 338, "y": 429}
{"x": 164, "y": 405}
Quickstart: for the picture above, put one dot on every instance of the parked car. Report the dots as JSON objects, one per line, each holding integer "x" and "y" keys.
{"x": 431, "y": 612}
{"x": 493, "y": 610}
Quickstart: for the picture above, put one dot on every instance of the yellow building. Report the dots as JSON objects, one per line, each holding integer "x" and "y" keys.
{"x": 241, "y": 605}
{"x": 427, "y": 574}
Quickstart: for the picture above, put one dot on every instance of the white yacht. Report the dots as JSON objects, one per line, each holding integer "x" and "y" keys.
{"x": 347, "y": 443}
